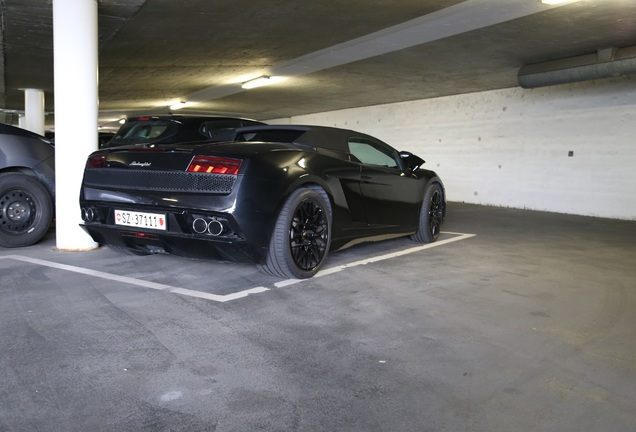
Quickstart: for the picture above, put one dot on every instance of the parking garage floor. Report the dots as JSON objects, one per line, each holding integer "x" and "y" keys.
{"x": 513, "y": 321}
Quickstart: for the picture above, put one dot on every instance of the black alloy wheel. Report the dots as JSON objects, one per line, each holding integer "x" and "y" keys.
{"x": 26, "y": 210}
{"x": 431, "y": 215}
{"x": 302, "y": 236}
{"x": 308, "y": 235}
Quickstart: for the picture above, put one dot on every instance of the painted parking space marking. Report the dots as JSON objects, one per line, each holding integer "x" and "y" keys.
{"x": 336, "y": 269}
{"x": 240, "y": 294}
{"x": 138, "y": 282}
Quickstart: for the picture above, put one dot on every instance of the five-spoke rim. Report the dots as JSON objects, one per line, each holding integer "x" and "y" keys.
{"x": 308, "y": 234}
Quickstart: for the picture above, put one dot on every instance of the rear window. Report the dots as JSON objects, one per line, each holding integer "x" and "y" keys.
{"x": 147, "y": 131}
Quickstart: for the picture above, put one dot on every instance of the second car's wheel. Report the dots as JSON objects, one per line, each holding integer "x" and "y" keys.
{"x": 431, "y": 215}
{"x": 26, "y": 210}
{"x": 302, "y": 235}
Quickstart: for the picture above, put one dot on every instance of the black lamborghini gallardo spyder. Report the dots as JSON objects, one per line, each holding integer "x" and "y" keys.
{"x": 278, "y": 196}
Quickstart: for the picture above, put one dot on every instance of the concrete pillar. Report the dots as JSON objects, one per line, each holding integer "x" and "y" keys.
{"x": 75, "y": 68}
{"x": 34, "y": 110}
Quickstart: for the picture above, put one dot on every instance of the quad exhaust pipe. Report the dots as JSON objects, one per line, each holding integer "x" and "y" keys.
{"x": 211, "y": 226}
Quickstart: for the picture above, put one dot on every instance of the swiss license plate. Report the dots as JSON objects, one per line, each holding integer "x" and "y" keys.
{"x": 140, "y": 220}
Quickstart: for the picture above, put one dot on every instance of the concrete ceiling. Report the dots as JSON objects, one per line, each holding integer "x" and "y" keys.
{"x": 337, "y": 54}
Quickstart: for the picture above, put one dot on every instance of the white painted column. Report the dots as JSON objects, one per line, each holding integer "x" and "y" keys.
{"x": 34, "y": 110}
{"x": 75, "y": 67}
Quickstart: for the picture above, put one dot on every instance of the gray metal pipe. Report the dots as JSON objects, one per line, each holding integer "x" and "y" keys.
{"x": 584, "y": 68}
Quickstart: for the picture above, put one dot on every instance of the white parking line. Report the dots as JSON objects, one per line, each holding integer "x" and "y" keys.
{"x": 336, "y": 269}
{"x": 138, "y": 282}
{"x": 236, "y": 295}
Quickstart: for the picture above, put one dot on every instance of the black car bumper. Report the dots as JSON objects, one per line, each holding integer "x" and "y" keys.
{"x": 186, "y": 245}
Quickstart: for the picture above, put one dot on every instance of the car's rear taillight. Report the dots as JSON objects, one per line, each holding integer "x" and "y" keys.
{"x": 214, "y": 165}
{"x": 96, "y": 161}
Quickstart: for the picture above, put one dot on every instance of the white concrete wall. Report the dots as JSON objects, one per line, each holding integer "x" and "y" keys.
{"x": 510, "y": 147}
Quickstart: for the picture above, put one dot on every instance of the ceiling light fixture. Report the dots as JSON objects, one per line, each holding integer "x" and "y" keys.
{"x": 555, "y": 2}
{"x": 178, "y": 106}
{"x": 260, "y": 81}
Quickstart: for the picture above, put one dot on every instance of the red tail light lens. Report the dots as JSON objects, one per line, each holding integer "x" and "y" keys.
{"x": 214, "y": 165}
{"x": 96, "y": 161}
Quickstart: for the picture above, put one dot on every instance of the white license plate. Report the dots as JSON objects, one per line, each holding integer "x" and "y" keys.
{"x": 140, "y": 220}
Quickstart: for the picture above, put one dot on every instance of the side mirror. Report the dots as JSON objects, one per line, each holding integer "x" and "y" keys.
{"x": 412, "y": 161}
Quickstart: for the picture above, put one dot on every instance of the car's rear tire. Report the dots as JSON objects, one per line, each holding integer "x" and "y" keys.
{"x": 26, "y": 210}
{"x": 431, "y": 215}
{"x": 301, "y": 237}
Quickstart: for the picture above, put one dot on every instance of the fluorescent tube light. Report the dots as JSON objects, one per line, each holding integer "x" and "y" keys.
{"x": 556, "y": 2}
{"x": 261, "y": 81}
{"x": 256, "y": 82}
{"x": 178, "y": 105}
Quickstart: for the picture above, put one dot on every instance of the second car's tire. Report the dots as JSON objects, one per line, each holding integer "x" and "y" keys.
{"x": 26, "y": 210}
{"x": 431, "y": 215}
{"x": 301, "y": 237}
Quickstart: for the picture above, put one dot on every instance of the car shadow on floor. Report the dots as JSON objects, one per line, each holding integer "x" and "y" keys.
{"x": 197, "y": 277}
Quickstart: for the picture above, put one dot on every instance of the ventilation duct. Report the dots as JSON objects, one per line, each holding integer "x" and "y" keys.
{"x": 606, "y": 63}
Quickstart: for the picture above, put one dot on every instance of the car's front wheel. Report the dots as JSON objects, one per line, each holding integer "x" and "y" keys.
{"x": 431, "y": 215}
{"x": 26, "y": 210}
{"x": 302, "y": 235}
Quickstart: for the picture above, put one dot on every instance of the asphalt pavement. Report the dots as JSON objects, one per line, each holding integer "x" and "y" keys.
{"x": 513, "y": 321}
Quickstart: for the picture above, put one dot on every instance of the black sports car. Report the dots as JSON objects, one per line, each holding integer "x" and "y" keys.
{"x": 279, "y": 196}
{"x": 27, "y": 186}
